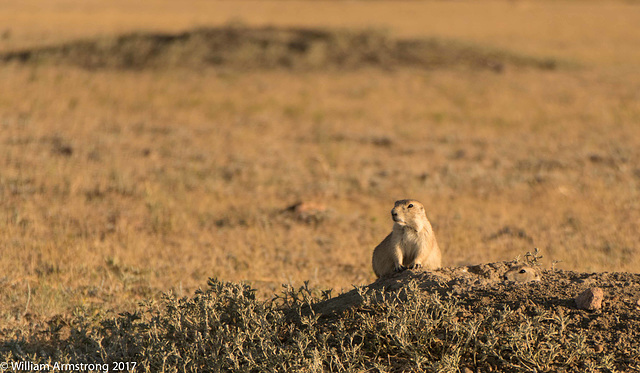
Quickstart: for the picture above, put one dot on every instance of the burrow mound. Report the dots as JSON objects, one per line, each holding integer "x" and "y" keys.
{"x": 269, "y": 47}
{"x": 449, "y": 320}
{"x": 614, "y": 328}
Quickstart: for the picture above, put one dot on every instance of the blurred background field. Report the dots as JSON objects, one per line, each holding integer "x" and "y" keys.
{"x": 132, "y": 165}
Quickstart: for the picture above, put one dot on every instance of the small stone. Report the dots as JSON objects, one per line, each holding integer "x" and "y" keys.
{"x": 467, "y": 370}
{"x": 590, "y": 299}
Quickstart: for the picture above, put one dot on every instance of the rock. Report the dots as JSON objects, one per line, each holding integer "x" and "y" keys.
{"x": 590, "y": 299}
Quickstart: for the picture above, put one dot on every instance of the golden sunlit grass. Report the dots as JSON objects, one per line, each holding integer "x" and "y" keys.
{"x": 117, "y": 185}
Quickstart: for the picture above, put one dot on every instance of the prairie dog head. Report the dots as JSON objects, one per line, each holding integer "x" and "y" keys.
{"x": 522, "y": 273}
{"x": 409, "y": 213}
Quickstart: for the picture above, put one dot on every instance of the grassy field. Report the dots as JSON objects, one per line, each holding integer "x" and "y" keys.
{"x": 119, "y": 184}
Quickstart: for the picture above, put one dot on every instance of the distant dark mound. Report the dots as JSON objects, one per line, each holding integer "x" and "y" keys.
{"x": 268, "y": 48}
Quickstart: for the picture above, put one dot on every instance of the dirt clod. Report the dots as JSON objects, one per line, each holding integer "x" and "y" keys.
{"x": 590, "y": 299}
{"x": 308, "y": 211}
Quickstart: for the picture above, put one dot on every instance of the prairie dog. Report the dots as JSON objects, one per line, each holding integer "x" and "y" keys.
{"x": 522, "y": 273}
{"x": 411, "y": 243}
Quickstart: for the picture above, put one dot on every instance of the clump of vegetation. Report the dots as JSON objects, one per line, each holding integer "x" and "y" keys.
{"x": 258, "y": 48}
{"x": 225, "y": 328}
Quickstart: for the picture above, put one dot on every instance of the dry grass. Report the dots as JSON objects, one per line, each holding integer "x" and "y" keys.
{"x": 118, "y": 185}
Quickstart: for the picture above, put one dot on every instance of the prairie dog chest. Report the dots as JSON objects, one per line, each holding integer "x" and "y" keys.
{"x": 411, "y": 242}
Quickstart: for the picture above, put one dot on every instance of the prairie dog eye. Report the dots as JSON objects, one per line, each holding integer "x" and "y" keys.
{"x": 523, "y": 271}
{"x": 410, "y": 205}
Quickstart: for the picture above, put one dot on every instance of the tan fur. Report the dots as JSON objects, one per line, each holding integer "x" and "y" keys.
{"x": 411, "y": 243}
{"x": 522, "y": 273}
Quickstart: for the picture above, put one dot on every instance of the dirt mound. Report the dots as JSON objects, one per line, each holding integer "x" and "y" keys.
{"x": 450, "y": 320}
{"x": 613, "y": 329}
{"x": 268, "y": 47}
